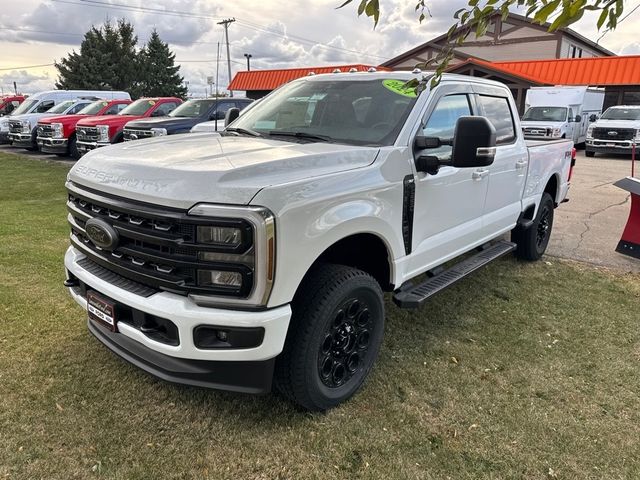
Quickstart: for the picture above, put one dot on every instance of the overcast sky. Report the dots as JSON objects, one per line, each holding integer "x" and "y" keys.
{"x": 278, "y": 34}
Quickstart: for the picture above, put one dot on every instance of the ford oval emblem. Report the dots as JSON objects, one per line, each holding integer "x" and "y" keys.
{"x": 101, "y": 234}
{"x": 612, "y": 133}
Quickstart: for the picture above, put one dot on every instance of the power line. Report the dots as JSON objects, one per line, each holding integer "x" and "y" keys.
{"x": 619, "y": 22}
{"x": 25, "y": 67}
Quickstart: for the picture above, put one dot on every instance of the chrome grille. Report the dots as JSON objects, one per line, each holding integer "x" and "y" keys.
{"x": 135, "y": 134}
{"x": 45, "y": 131}
{"x": 15, "y": 126}
{"x": 87, "y": 134}
{"x": 603, "y": 133}
{"x": 156, "y": 247}
{"x": 537, "y": 132}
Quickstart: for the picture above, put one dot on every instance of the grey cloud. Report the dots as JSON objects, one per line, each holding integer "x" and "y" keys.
{"x": 27, "y": 82}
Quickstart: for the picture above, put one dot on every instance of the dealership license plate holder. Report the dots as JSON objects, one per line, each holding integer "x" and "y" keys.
{"x": 102, "y": 311}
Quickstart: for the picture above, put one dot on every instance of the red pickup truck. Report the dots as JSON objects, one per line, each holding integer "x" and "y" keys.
{"x": 95, "y": 132}
{"x": 58, "y": 134}
{"x": 8, "y": 103}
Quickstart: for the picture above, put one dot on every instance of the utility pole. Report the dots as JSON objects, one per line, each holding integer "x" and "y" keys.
{"x": 217, "y": 67}
{"x": 248, "y": 57}
{"x": 226, "y": 23}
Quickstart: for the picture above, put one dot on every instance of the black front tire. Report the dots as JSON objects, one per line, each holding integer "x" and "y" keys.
{"x": 334, "y": 338}
{"x": 590, "y": 153}
{"x": 532, "y": 242}
{"x": 73, "y": 148}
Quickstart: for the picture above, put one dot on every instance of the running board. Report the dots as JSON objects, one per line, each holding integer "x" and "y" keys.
{"x": 415, "y": 296}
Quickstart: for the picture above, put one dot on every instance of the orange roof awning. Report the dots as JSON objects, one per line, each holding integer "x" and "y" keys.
{"x": 593, "y": 71}
{"x": 272, "y": 79}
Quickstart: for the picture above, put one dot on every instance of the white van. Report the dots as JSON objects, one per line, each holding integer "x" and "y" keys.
{"x": 23, "y": 121}
{"x": 561, "y": 112}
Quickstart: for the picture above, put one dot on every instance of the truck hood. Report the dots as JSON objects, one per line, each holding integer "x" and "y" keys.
{"x": 536, "y": 124}
{"x": 32, "y": 117}
{"x": 64, "y": 119}
{"x": 172, "y": 124}
{"x": 182, "y": 170}
{"x": 604, "y": 123}
{"x": 110, "y": 120}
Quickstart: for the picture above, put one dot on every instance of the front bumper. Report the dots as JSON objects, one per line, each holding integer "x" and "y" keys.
{"x": 244, "y": 370}
{"x": 608, "y": 146}
{"x": 21, "y": 140}
{"x": 84, "y": 147}
{"x": 53, "y": 145}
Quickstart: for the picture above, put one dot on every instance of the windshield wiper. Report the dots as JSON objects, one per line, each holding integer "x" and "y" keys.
{"x": 244, "y": 131}
{"x": 308, "y": 136}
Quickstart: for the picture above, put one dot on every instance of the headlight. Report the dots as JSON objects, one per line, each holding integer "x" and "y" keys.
{"x": 57, "y": 130}
{"x": 590, "y": 131}
{"x": 236, "y": 255}
{"x": 227, "y": 236}
{"x": 26, "y": 126}
{"x": 556, "y": 132}
{"x": 103, "y": 133}
{"x": 159, "y": 132}
{"x": 4, "y": 125}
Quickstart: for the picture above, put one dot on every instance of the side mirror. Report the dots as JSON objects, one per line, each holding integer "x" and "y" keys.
{"x": 474, "y": 142}
{"x": 578, "y": 118}
{"x": 593, "y": 117}
{"x": 231, "y": 115}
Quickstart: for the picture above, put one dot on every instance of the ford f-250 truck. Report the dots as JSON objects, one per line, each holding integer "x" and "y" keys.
{"x": 96, "y": 132}
{"x": 262, "y": 254}
{"x": 58, "y": 134}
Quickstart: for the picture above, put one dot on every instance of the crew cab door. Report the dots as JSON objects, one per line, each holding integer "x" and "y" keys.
{"x": 448, "y": 204}
{"x": 508, "y": 172}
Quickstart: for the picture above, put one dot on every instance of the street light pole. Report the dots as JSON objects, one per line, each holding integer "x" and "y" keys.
{"x": 225, "y": 24}
{"x": 248, "y": 57}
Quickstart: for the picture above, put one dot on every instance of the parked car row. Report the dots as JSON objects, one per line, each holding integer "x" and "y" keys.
{"x": 73, "y": 122}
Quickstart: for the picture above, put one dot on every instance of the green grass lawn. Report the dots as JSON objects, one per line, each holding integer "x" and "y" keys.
{"x": 520, "y": 371}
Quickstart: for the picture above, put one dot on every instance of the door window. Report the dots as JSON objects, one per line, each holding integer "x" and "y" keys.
{"x": 222, "y": 108}
{"x": 571, "y": 115}
{"x": 498, "y": 111}
{"x": 165, "y": 109}
{"x": 442, "y": 122}
{"x": 77, "y": 107}
{"x": 115, "y": 109}
{"x": 44, "y": 106}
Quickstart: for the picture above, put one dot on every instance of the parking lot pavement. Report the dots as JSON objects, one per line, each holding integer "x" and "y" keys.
{"x": 589, "y": 227}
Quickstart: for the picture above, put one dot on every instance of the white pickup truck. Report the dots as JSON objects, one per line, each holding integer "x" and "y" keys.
{"x": 259, "y": 257}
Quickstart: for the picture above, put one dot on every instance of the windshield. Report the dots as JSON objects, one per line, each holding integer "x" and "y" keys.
{"x": 546, "y": 114}
{"x": 139, "y": 107}
{"x": 61, "y": 107}
{"x": 24, "y": 107}
{"x": 365, "y": 112}
{"x": 193, "y": 108}
{"x": 93, "y": 108}
{"x": 617, "y": 113}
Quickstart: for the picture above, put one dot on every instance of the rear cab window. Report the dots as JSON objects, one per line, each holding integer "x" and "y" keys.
{"x": 498, "y": 110}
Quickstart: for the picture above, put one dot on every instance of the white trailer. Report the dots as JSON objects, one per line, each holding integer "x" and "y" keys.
{"x": 561, "y": 112}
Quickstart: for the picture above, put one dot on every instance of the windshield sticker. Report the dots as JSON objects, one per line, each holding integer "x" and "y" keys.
{"x": 398, "y": 86}
{"x": 152, "y": 103}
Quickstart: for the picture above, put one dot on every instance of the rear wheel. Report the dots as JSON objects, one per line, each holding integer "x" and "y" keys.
{"x": 533, "y": 241}
{"x": 334, "y": 338}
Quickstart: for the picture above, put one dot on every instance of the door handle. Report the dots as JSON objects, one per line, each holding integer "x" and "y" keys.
{"x": 480, "y": 174}
{"x": 520, "y": 164}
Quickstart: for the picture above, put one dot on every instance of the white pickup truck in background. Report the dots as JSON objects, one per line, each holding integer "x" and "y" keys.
{"x": 261, "y": 256}
{"x": 616, "y": 131}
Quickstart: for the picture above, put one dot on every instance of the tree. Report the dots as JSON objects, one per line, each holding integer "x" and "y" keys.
{"x": 161, "y": 77}
{"x": 109, "y": 59}
{"x": 475, "y": 17}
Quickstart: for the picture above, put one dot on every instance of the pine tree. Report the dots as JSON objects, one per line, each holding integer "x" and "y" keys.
{"x": 161, "y": 75}
{"x": 108, "y": 60}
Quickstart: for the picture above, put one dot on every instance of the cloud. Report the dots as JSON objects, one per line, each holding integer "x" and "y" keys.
{"x": 27, "y": 82}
